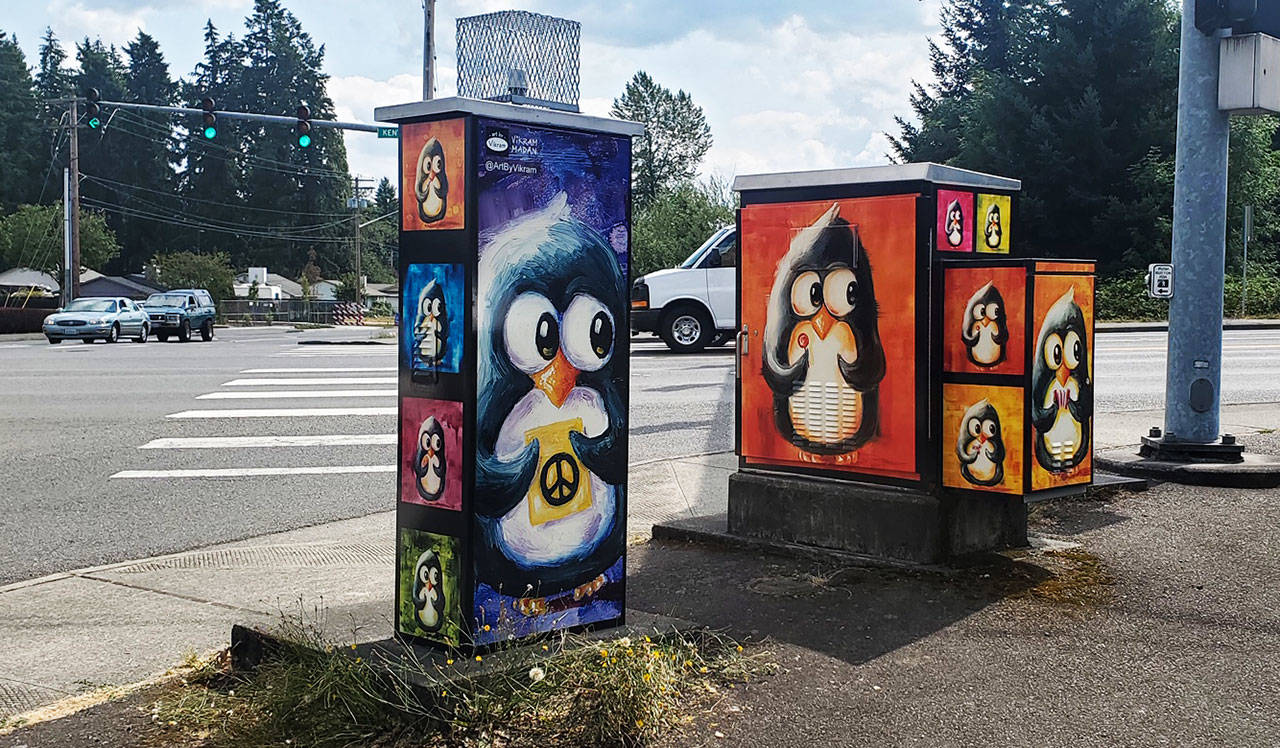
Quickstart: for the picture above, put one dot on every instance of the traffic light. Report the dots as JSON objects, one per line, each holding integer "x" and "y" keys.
{"x": 304, "y": 126}
{"x": 1212, "y": 15}
{"x": 210, "y": 119}
{"x": 91, "y": 110}
{"x": 1265, "y": 19}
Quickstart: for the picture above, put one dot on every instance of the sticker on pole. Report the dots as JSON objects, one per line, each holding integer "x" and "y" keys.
{"x": 1160, "y": 280}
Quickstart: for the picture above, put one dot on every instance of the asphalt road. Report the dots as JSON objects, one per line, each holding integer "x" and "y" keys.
{"x": 105, "y": 449}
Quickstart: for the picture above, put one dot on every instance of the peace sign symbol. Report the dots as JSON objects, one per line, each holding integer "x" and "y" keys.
{"x": 559, "y": 479}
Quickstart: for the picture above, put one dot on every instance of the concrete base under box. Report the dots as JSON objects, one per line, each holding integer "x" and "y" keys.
{"x": 894, "y": 524}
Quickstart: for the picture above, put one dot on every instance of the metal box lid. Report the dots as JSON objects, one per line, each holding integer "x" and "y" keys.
{"x": 510, "y": 112}
{"x": 923, "y": 172}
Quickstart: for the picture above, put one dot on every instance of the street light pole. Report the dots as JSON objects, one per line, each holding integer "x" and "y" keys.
{"x": 1194, "y": 373}
{"x": 428, "y": 49}
{"x": 74, "y": 168}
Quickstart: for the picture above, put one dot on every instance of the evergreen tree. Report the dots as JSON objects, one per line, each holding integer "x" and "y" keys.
{"x": 676, "y": 136}
{"x": 21, "y": 142}
{"x": 104, "y": 184}
{"x": 53, "y": 80}
{"x": 282, "y": 69}
{"x": 384, "y": 199}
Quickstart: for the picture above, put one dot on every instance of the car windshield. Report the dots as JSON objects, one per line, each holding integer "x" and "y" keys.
{"x": 166, "y": 299}
{"x": 91, "y": 305}
{"x": 697, "y": 253}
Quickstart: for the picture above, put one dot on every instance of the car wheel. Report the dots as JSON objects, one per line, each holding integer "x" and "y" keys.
{"x": 54, "y": 341}
{"x": 206, "y": 331}
{"x": 163, "y": 337}
{"x": 722, "y": 337}
{"x": 142, "y": 336}
{"x": 113, "y": 334}
{"x": 184, "y": 331}
{"x": 687, "y": 329}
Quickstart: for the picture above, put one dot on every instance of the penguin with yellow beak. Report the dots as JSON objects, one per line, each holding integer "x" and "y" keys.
{"x": 1061, "y": 387}
{"x": 822, "y": 353}
{"x": 551, "y": 423}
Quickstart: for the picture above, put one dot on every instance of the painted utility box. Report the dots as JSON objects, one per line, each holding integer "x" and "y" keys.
{"x": 855, "y": 365}
{"x": 513, "y": 370}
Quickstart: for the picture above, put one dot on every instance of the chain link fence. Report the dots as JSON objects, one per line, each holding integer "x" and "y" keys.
{"x": 543, "y": 49}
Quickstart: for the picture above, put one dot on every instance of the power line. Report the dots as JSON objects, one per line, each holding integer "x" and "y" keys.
{"x": 235, "y": 206}
{"x": 236, "y": 230}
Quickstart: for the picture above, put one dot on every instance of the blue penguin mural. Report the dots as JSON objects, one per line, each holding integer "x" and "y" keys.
{"x": 551, "y": 425}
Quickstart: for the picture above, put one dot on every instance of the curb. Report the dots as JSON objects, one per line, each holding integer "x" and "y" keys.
{"x": 370, "y": 341}
{"x": 1231, "y": 324}
{"x": 1257, "y": 471}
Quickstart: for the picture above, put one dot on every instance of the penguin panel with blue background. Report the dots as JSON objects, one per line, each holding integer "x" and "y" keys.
{"x": 1061, "y": 388}
{"x": 431, "y": 184}
{"x": 551, "y": 461}
{"x": 985, "y": 329}
{"x": 994, "y": 232}
{"x": 429, "y": 462}
{"x": 955, "y": 224}
{"x": 428, "y": 591}
{"x": 822, "y": 353}
{"x": 431, "y": 327}
{"x": 980, "y": 445}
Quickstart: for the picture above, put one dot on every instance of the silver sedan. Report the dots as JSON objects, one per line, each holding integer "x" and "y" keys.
{"x": 98, "y": 318}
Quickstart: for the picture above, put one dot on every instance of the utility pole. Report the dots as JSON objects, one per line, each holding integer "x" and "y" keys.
{"x": 74, "y": 169}
{"x": 356, "y": 204}
{"x": 1244, "y": 266}
{"x": 428, "y": 50}
{"x": 66, "y": 237}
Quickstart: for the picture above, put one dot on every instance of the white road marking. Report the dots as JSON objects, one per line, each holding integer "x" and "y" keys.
{"x": 258, "y": 442}
{"x": 297, "y": 382}
{"x": 282, "y": 412}
{"x": 360, "y": 350}
{"x": 322, "y": 370}
{"x": 295, "y": 394}
{"x": 256, "y": 472}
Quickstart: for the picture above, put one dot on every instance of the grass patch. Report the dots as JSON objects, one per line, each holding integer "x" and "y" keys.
{"x": 567, "y": 691}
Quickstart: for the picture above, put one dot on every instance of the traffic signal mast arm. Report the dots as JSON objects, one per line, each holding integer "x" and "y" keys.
{"x": 279, "y": 119}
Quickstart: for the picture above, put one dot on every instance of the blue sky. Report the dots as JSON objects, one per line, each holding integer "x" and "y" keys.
{"x": 785, "y": 86}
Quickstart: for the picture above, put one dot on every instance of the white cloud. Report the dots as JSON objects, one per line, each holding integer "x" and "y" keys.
{"x": 75, "y": 21}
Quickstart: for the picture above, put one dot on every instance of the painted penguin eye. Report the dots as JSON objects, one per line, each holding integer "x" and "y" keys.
{"x": 424, "y": 440}
{"x": 972, "y": 426}
{"x": 993, "y": 311}
{"x": 434, "y": 575}
{"x": 437, "y": 306}
{"x": 806, "y": 294}
{"x": 588, "y": 333}
{"x": 1053, "y": 351}
{"x": 436, "y": 444}
{"x": 437, "y": 163}
{"x": 1074, "y": 349}
{"x": 531, "y": 332}
{"x": 979, "y": 311}
{"x": 840, "y": 291}
{"x": 424, "y": 573}
{"x": 988, "y": 428}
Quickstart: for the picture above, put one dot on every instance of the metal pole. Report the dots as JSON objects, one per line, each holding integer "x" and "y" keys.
{"x": 428, "y": 50}
{"x": 1199, "y": 243}
{"x": 66, "y": 236}
{"x": 250, "y": 116}
{"x": 1244, "y": 266}
{"x": 74, "y": 168}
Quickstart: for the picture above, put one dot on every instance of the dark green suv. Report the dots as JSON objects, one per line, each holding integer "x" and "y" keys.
{"x": 180, "y": 312}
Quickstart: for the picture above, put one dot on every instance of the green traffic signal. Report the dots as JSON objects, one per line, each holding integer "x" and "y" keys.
{"x": 94, "y": 123}
{"x": 210, "y": 132}
{"x": 304, "y": 140}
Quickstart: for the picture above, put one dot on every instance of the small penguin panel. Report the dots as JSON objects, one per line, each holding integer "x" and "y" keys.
{"x": 985, "y": 427}
{"x": 993, "y": 222}
{"x": 432, "y": 175}
{"x": 431, "y": 452}
{"x": 1061, "y": 396}
{"x": 432, "y": 333}
{"x": 955, "y": 221}
{"x": 429, "y": 579}
{"x": 983, "y": 320}
{"x": 828, "y": 298}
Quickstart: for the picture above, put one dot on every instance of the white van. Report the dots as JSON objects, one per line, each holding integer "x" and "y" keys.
{"x": 694, "y": 305}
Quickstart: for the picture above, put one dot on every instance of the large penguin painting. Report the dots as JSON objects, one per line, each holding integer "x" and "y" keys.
{"x": 822, "y": 354}
{"x": 1061, "y": 387}
{"x": 433, "y": 297}
{"x": 984, "y": 329}
{"x": 431, "y": 327}
{"x": 432, "y": 175}
{"x": 429, "y": 463}
{"x": 432, "y": 455}
{"x": 428, "y": 591}
{"x": 431, "y": 183}
{"x": 955, "y": 221}
{"x": 551, "y": 460}
{"x": 980, "y": 445}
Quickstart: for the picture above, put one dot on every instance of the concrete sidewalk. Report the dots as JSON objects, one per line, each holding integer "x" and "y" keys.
{"x": 67, "y": 633}
{"x": 64, "y": 634}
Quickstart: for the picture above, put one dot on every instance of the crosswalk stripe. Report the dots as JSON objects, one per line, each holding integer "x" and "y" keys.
{"x": 363, "y": 350}
{"x": 282, "y": 412}
{"x": 258, "y": 442}
{"x": 295, "y": 394}
{"x": 256, "y": 472}
{"x": 299, "y": 381}
{"x": 322, "y": 370}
